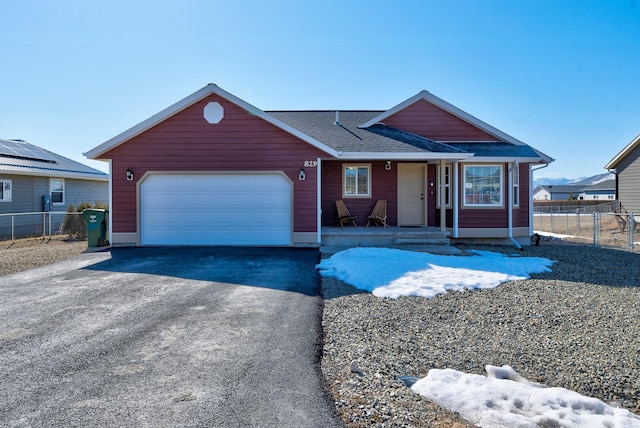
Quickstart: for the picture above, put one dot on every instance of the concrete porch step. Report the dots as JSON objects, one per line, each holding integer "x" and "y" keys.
{"x": 434, "y": 249}
{"x": 422, "y": 240}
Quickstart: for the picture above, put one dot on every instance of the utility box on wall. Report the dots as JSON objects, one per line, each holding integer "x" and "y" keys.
{"x": 47, "y": 203}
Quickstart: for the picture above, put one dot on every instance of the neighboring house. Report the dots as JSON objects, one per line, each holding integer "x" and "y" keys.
{"x": 214, "y": 170}
{"x": 557, "y": 192}
{"x": 604, "y": 191}
{"x": 34, "y": 180}
{"x": 541, "y": 193}
{"x": 626, "y": 165}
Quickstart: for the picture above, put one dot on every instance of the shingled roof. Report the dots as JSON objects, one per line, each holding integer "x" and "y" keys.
{"x": 355, "y": 134}
{"x": 343, "y": 132}
{"x": 495, "y": 149}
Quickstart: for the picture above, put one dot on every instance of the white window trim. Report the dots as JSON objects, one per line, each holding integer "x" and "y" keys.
{"x": 515, "y": 197}
{"x": 344, "y": 180}
{"x": 446, "y": 186}
{"x": 464, "y": 180}
{"x": 4, "y": 197}
{"x": 51, "y": 181}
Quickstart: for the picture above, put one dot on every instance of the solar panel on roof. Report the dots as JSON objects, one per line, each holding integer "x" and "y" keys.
{"x": 23, "y": 150}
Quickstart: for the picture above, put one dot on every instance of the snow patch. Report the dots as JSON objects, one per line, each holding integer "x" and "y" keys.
{"x": 503, "y": 398}
{"x": 392, "y": 273}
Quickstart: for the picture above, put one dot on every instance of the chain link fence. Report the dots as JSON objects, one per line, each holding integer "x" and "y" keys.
{"x": 34, "y": 224}
{"x": 606, "y": 229}
{"x": 577, "y": 206}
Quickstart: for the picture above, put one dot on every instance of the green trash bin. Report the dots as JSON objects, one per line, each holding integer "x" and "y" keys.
{"x": 96, "y": 221}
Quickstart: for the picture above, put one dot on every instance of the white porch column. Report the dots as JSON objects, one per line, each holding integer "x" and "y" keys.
{"x": 319, "y": 201}
{"x": 443, "y": 208}
{"x": 530, "y": 200}
{"x": 510, "y": 169}
{"x": 455, "y": 204}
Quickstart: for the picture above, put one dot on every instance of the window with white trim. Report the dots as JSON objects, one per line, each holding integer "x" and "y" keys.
{"x": 356, "y": 181}
{"x": 56, "y": 188}
{"x": 5, "y": 190}
{"x": 445, "y": 186}
{"x": 482, "y": 185}
{"x": 516, "y": 185}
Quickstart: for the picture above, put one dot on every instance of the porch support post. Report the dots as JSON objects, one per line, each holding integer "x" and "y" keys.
{"x": 443, "y": 208}
{"x": 530, "y": 200}
{"x": 510, "y": 171}
{"x": 455, "y": 204}
{"x": 319, "y": 200}
{"x": 509, "y": 192}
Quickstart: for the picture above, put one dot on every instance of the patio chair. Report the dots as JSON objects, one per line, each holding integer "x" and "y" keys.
{"x": 344, "y": 215}
{"x": 379, "y": 214}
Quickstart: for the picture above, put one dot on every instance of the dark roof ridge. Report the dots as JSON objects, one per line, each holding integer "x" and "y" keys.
{"x": 324, "y": 111}
{"x": 411, "y": 138}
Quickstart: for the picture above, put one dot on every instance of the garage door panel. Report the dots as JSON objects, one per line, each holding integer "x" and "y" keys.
{"x": 269, "y": 201}
{"x": 216, "y": 210}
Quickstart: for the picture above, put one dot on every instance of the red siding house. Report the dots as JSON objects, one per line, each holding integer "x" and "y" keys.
{"x": 213, "y": 169}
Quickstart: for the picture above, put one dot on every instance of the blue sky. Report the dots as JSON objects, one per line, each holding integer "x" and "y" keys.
{"x": 562, "y": 76}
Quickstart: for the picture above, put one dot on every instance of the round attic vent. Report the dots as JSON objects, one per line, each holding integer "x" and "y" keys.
{"x": 213, "y": 113}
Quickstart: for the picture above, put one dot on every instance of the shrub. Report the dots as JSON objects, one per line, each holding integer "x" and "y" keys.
{"x": 73, "y": 224}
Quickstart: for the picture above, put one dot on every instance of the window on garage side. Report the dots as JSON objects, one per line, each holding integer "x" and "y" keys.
{"x": 483, "y": 185}
{"x": 5, "y": 190}
{"x": 56, "y": 187}
{"x": 356, "y": 181}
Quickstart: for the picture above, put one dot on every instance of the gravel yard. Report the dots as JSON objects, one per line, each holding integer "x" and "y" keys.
{"x": 23, "y": 254}
{"x": 577, "y": 327}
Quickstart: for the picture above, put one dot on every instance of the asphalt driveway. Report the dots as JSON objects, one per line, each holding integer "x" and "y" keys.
{"x": 164, "y": 337}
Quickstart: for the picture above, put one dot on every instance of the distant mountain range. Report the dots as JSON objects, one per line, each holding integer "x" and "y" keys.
{"x": 584, "y": 181}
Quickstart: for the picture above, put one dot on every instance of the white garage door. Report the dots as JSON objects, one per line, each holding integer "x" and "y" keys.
{"x": 215, "y": 210}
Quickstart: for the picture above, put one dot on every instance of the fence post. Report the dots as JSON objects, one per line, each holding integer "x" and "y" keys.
{"x": 631, "y": 224}
{"x": 595, "y": 229}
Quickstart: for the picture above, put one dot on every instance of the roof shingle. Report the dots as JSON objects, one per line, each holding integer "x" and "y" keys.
{"x": 346, "y": 135}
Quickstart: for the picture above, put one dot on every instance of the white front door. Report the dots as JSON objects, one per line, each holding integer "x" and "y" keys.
{"x": 411, "y": 194}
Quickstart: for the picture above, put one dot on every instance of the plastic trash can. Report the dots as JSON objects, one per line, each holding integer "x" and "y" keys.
{"x": 96, "y": 221}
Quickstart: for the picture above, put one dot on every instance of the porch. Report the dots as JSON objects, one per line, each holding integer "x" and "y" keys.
{"x": 424, "y": 239}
